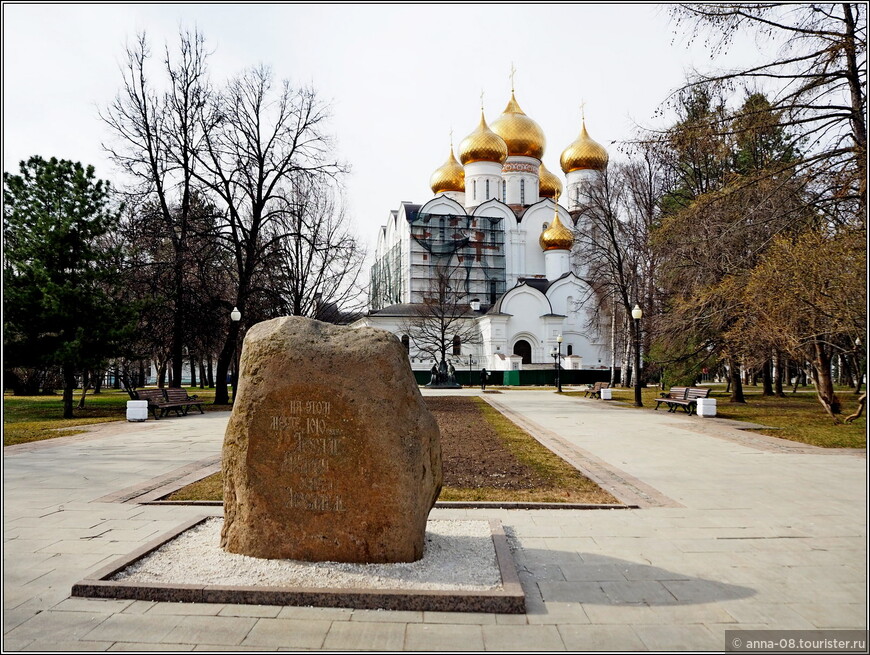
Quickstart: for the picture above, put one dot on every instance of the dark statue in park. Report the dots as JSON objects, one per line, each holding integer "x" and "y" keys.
{"x": 443, "y": 377}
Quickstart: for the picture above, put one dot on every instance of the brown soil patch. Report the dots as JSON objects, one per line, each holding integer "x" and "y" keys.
{"x": 473, "y": 454}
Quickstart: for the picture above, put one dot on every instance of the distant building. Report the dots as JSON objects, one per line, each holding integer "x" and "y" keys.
{"x": 495, "y": 225}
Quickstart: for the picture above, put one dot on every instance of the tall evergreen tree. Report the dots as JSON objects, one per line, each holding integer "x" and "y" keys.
{"x": 60, "y": 307}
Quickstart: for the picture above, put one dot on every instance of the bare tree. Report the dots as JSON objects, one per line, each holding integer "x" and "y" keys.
{"x": 258, "y": 139}
{"x": 444, "y": 317}
{"x": 612, "y": 247}
{"x": 318, "y": 258}
{"x": 157, "y": 139}
{"x": 816, "y": 81}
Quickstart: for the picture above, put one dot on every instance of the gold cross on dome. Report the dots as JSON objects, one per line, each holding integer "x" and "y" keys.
{"x": 513, "y": 72}
{"x": 451, "y": 138}
{"x": 583, "y": 109}
{"x": 481, "y": 100}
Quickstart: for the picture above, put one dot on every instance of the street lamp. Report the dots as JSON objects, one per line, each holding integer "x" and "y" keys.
{"x": 471, "y": 363}
{"x": 235, "y": 317}
{"x": 557, "y": 355}
{"x": 637, "y": 314}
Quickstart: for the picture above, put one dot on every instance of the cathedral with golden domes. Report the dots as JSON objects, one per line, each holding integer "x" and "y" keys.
{"x": 493, "y": 245}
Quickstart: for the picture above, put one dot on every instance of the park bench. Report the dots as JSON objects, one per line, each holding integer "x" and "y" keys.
{"x": 162, "y": 401}
{"x": 595, "y": 389}
{"x": 180, "y": 401}
{"x": 685, "y": 397}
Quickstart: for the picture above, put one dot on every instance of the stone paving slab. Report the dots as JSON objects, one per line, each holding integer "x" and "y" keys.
{"x": 761, "y": 534}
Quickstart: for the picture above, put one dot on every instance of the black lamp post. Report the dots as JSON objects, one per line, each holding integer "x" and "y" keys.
{"x": 557, "y": 356}
{"x": 471, "y": 364}
{"x": 637, "y": 314}
{"x": 235, "y": 317}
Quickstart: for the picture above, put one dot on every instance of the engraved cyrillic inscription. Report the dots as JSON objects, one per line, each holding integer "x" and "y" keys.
{"x": 313, "y": 447}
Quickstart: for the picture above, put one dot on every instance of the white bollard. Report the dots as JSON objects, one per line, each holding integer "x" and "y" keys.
{"x": 706, "y": 407}
{"x": 137, "y": 410}
{"x": 607, "y": 394}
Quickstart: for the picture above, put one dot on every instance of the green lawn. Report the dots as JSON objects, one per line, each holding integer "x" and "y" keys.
{"x": 798, "y": 417}
{"x": 34, "y": 418}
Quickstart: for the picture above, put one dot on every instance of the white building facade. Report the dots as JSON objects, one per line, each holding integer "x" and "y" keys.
{"x": 497, "y": 233}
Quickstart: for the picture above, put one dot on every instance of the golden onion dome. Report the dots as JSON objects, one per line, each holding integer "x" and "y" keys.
{"x": 584, "y": 153}
{"x": 523, "y": 136}
{"x": 557, "y": 236}
{"x": 550, "y": 185}
{"x": 450, "y": 176}
{"x": 482, "y": 145}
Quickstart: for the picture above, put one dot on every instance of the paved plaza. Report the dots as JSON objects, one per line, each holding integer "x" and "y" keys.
{"x": 732, "y": 530}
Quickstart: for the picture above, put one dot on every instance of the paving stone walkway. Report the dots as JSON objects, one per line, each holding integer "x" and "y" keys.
{"x": 732, "y": 531}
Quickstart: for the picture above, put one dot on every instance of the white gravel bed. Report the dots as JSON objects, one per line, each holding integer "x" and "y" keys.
{"x": 457, "y": 555}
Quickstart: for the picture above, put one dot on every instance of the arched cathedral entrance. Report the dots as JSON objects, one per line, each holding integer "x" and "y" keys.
{"x": 524, "y": 349}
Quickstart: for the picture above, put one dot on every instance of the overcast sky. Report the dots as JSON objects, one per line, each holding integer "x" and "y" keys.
{"x": 398, "y": 77}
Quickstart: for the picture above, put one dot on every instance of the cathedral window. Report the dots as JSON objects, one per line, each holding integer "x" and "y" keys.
{"x": 474, "y": 190}
{"x": 486, "y": 197}
{"x": 457, "y": 345}
{"x": 522, "y": 192}
{"x": 570, "y": 349}
{"x": 442, "y": 229}
{"x": 493, "y": 290}
{"x": 406, "y": 341}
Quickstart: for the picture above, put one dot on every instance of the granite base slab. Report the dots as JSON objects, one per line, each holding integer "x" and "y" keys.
{"x": 508, "y": 598}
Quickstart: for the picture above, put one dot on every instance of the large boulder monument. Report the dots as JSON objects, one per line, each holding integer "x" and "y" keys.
{"x": 330, "y": 453}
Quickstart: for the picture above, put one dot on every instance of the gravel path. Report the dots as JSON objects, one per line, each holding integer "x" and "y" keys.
{"x": 457, "y": 555}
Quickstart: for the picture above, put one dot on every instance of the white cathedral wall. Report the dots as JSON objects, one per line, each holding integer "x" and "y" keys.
{"x": 582, "y": 327}
{"x": 521, "y": 176}
{"x": 476, "y": 176}
{"x": 533, "y": 222}
{"x": 457, "y": 196}
{"x": 578, "y": 186}
{"x": 526, "y": 307}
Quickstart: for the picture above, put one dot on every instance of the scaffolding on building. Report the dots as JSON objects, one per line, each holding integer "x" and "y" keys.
{"x": 386, "y": 283}
{"x": 471, "y": 248}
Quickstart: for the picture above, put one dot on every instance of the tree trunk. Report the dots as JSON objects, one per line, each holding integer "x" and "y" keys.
{"x": 98, "y": 381}
{"x": 177, "y": 354}
{"x": 767, "y": 378}
{"x": 221, "y": 394}
{"x": 86, "y": 384}
{"x": 202, "y": 376}
{"x": 736, "y": 382}
{"x": 69, "y": 385}
{"x": 821, "y": 370}
{"x": 861, "y": 402}
{"x": 626, "y": 356}
{"x": 192, "y": 370}
{"x": 778, "y": 375}
{"x": 859, "y": 374}
{"x": 613, "y": 380}
{"x": 210, "y": 371}
{"x": 161, "y": 373}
